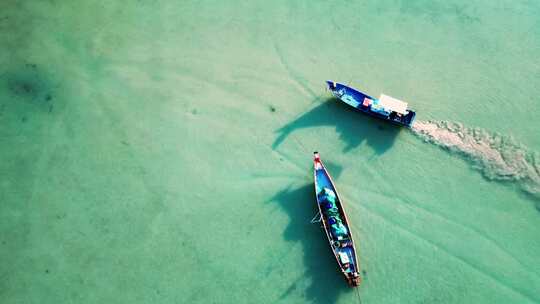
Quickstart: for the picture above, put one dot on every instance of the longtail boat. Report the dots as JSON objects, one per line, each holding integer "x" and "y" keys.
{"x": 335, "y": 223}
{"x": 385, "y": 107}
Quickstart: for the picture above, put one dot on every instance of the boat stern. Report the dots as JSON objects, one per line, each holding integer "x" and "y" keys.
{"x": 411, "y": 119}
{"x": 354, "y": 280}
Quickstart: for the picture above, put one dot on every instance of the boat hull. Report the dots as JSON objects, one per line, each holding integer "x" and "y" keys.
{"x": 323, "y": 180}
{"x": 362, "y": 102}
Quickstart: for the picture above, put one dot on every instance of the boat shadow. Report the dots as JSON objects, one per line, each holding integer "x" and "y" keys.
{"x": 352, "y": 127}
{"x": 324, "y": 283}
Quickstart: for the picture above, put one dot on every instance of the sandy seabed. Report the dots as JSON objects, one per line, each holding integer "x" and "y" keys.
{"x": 160, "y": 152}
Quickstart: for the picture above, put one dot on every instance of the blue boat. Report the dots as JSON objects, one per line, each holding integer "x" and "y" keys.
{"x": 335, "y": 223}
{"x": 386, "y": 107}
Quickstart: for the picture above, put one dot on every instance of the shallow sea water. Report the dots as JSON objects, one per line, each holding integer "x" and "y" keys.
{"x": 160, "y": 151}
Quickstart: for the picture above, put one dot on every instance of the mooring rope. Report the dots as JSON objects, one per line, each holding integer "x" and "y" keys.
{"x": 358, "y": 294}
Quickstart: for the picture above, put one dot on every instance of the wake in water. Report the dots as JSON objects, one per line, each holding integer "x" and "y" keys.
{"x": 498, "y": 157}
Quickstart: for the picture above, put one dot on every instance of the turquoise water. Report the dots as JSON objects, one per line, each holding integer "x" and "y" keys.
{"x": 160, "y": 152}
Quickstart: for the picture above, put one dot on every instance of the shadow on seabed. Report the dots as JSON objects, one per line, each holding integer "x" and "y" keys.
{"x": 325, "y": 282}
{"x": 353, "y": 127}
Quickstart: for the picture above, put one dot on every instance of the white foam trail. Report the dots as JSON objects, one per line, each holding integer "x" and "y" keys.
{"x": 498, "y": 157}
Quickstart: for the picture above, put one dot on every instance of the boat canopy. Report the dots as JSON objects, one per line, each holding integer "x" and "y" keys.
{"x": 393, "y": 104}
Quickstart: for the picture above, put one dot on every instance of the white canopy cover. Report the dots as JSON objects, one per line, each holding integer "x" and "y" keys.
{"x": 393, "y": 104}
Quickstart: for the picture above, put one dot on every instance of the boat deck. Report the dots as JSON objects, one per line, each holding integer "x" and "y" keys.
{"x": 323, "y": 181}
